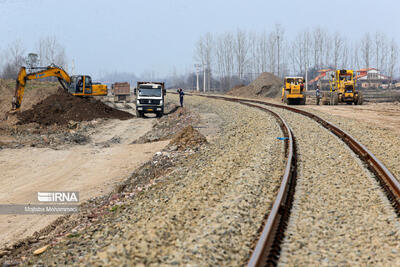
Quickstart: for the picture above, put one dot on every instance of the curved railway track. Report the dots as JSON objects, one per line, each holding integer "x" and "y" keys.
{"x": 267, "y": 249}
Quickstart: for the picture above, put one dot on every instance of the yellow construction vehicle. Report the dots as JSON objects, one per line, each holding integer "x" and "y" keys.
{"x": 293, "y": 91}
{"x": 343, "y": 88}
{"x": 77, "y": 85}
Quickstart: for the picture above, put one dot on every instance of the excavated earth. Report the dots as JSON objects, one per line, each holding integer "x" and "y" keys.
{"x": 193, "y": 204}
{"x": 61, "y": 108}
{"x": 266, "y": 85}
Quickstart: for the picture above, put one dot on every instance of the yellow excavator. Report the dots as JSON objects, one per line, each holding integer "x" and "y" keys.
{"x": 77, "y": 85}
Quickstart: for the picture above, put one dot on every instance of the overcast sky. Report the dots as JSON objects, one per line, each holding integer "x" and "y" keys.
{"x": 138, "y": 36}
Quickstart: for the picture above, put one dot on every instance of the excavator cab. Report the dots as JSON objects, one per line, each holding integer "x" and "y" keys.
{"x": 80, "y": 85}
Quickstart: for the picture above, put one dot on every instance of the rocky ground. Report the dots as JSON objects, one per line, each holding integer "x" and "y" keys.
{"x": 202, "y": 205}
{"x": 377, "y": 126}
{"x": 202, "y": 199}
{"x": 340, "y": 214}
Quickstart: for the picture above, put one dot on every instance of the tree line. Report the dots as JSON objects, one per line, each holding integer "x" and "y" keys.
{"x": 240, "y": 56}
{"x": 47, "y": 51}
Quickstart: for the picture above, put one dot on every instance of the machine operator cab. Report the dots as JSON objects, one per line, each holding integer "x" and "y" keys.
{"x": 80, "y": 85}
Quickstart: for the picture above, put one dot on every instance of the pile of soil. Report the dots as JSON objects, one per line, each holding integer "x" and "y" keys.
{"x": 187, "y": 138}
{"x": 266, "y": 85}
{"x": 62, "y": 107}
{"x": 174, "y": 120}
{"x": 6, "y": 94}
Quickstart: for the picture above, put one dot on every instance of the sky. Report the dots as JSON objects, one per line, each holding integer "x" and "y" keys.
{"x": 160, "y": 35}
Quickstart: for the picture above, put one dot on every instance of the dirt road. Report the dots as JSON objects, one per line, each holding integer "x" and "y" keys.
{"x": 92, "y": 169}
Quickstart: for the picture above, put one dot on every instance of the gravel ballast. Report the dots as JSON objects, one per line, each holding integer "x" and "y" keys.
{"x": 383, "y": 142}
{"x": 340, "y": 215}
{"x": 207, "y": 211}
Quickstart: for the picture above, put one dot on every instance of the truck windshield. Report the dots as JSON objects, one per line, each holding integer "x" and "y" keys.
{"x": 149, "y": 92}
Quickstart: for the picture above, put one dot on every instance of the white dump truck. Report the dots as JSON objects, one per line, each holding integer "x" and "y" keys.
{"x": 150, "y": 98}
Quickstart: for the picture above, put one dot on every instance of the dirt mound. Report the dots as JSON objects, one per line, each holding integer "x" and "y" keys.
{"x": 187, "y": 138}
{"x": 61, "y": 107}
{"x": 35, "y": 91}
{"x": 6, "y": 94}
{"x": 266, "y": 85}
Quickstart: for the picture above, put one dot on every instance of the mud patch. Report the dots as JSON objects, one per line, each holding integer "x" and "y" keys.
{"x": 61, "y": 107}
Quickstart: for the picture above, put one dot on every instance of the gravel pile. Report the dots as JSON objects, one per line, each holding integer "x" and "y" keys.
{"x": 168, "y": 126}
{"x": 266, "y": 85}
{"x": 340, "y": 214}
{"x": 206, "y": 211}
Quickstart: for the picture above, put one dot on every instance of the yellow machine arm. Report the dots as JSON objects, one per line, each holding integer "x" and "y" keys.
{"x": 51, "y": 71}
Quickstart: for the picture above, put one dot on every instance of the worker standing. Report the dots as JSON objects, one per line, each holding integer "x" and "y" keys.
{"x": 181, "y": 94}
{"x": 318, "y": 94}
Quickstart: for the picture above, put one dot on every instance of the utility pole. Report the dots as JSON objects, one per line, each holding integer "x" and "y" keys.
{"x": 197, "y": 66}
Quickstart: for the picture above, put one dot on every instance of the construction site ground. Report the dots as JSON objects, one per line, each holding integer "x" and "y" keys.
{"x": 110, "y": 160}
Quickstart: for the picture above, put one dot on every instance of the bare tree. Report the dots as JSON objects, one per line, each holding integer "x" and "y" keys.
{"x": 344, "y": 58}
{"x": 337, "y": 49}
{"x": 241, "y": 51}
{"x": 51, "y": 52}
{"x": 225, "y": 58}
{"x": 262, "y": 52}
{"x": 252, "y": 61}
{"x": 271, "y": 48}
{"x": 279, "y": 36}
{"x": 366, "y": 50}
{"x": 318, "y": 44}
{"x": 393, "y": 58}
{"x": 14, "y": 59}
{"x": 32, "y": 60}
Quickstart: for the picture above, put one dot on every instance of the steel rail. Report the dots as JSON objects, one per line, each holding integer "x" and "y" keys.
{"x": 386, "y": 179}
{"x": 266, "y": 254}
{"x": 267, "y": 249}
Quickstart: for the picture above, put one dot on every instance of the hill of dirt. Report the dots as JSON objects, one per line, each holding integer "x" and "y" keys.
{"x": 188, "y": 138}
{"x": 35, "y": 92}
{"x": 266, "y": 85}
{"x": 61, "y": 107}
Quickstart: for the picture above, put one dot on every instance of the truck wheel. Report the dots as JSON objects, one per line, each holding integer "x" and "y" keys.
{"x": 159, "y": 114}
{"x": 139, "y": 114}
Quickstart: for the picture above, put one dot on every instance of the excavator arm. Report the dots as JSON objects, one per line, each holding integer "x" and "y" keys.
{"x": 23, "y": 77}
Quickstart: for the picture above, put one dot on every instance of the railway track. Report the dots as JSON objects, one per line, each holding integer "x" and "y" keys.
{"x": 267, "y": 249}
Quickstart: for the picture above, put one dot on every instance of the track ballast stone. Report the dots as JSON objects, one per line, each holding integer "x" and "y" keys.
{"x": 384, "y": 143}
{"x": 207, "y": 211}
{"x": 339, "y": 216}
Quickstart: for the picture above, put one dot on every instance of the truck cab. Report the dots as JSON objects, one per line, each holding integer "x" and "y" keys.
{"x": 149, "y": 98}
